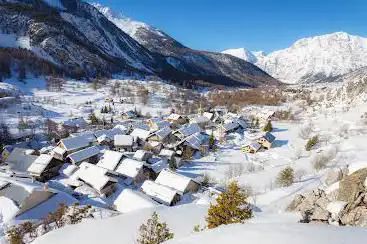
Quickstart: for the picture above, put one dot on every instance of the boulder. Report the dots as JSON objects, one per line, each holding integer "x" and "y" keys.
{"x": 333, "y": 176}
{"x": 294, "y": 205}
{"x": 356, "y": 217}
{"x": 352, "y": 186}
{"x": 320, "y": 215}
{"x": 322, "y": 202}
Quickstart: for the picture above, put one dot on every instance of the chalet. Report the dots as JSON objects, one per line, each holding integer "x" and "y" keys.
{"x": 75, "y": 143}
{"x": 123, "y": 142}
{"x": 220, "y": 110}
{"x": 132, "y": 171}
{"x": 210, "y": 116}
{"x": 157, "y": 124}
{"x": 129, "y": 115}
{"x": 200, "y": 120}
{"x": 74, "y": 124}
{"x": 129, "y": 200}
{"x": 104, "y": 140}
{"x": 241, "y": 122}
{"x": 59, "y": 153}
{"x": 140, "y": 125}
{"x": 192, "y": 143}
{"x": 142, "y": 155}
{"x": 160, "y": 193}
{"x": 140, "y": 135}
{"x": 230, "y": 127}
{"x": 180, "y": 183}
{"x": 187, "y": 130}
{"x": 161, "y": 135}
{"x": 266, "y": 140}
{"x": 166, "y": 153}
{"x": 89, "y": 154}
{"x": 251, "y": 147}
{"x": 97, "y": 178}
{"x": 177, "y": 119}
{"x": 23, "y": 199}
{"x": 110, "y": 160}
{"x": 45, "y": 167}
{"x": 20, "y": 159}
{"x": 154, "y": 146}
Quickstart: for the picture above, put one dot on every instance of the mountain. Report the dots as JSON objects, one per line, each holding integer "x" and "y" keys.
{"x": 311, "y": 59}
{"x": 204, "y": 65}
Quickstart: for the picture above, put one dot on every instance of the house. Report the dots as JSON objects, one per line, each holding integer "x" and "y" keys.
{"x": 104, "y": 140}
{"x": 132, "y": 171}
{"x": 140, "y": 135}
{"x": 110, "y": 160}
{"x": 241, "y": 122}
{"x": 129, "y": 200}
{"x": 160, "y": 193}
{"x": 166, "y": 153}
{"x": 123, "y": 142}
{"x": 110, "y": 134}
{"x": 76, "y": 142}
{"x": 193, "y": 143}
{"x": 220, "y": 110}
{"x": 140, "y": 125}
{"x": 230, "y": 127}
{"x": 20, "y": 159}
{"x": 153, "y": 146}
{"x": 161, "y": 135}
{"x": 210, "y": 116}
{"x": 142, "y": 155}
{"x": 97, "y": 178}
{"x": 187, "y": 130}
{"x": 23, "y": 199}
{"x": 266, "y": 140}
{"x": 177, "y": 119}
{"x": 5, "y": 153}
{"x": 89, "y": 154}
{"x": 72, "y": 125}
{"x": 200, "y": 120}
{"x": 129, "y": 115}
{"x": 251, "y": 147}
{"x": 178, "y": 182}
{"x": 45, "y": 167}
{"x": 59, "y": 153}
{"x": 157, "y": 124}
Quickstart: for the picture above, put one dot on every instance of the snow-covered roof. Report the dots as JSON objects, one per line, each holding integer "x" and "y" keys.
{"x": 123, "y": 140}
{"x": 109, "y": 133}
{"x": 130, "y": 114}
{"x": 189, "y": 129}
{"x": 173, "y": 180}
{"x": 76, "y": 122}
{"x": 163, "y": 133}
{"x": 194, "y": 141}
{"x": 20, "y": 160}
{"x": 69, "y": 169}
{"x": 254, "y": 145}
{"x": 199, "y": 119}
{"x": 230, "y": 126}
{"x": 208, "y": 115}
{"x": 174, "y": 117}
{"x": 129, "y": 167}
{"x": 241, "y": 122}
{"x": 141, "y": 155}
{"x": 40, "y": 164}
{"x": 141, "y": 125}
{"x": 84, "y": 154}
{"x": 159, "y": 165}
{"x": 73, "y": 143}
{"x": 94, "y": 175}
{"x": 110, "y": 159}
{"x": 129, "y": 200}
{"x": 59, "y": 150}
{"x": 140, "y": 133}
{"x": 166, "y": 153}
{"x": 160, "y": 193}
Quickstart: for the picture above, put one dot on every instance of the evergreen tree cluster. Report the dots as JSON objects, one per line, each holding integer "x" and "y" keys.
{"x": 106, "y": 109}
{"x": 268, "y": 127}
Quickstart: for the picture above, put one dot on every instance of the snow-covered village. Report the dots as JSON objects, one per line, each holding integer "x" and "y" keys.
{"x": 175, "y": 151}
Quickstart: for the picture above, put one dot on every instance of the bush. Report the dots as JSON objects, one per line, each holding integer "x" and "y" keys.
{"x": 268, "y": 127}
{"x": 285, "y": 177}
{"x": 154, "y": 232}
{"x": 231, "y": 207}
{"x": 311, "y": 143}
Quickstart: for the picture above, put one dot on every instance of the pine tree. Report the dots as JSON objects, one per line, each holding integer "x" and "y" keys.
{"x": 257, "y": 123}
{"x": 93, "y": 119}
{"x": 268, "y": 127}
{"x": 285, "y": 177}
{"x": 211, "y": 141}
{"x": 172, "y": 164}
{"x": 231, "y": 207}
{"x": 154, "y": 232}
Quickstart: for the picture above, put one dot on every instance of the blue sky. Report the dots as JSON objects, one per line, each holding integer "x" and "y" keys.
{"x": 256, "y": 25}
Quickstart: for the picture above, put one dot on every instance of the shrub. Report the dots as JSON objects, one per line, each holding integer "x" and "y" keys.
{"x": 231, "y": 207}
{"x": 268, "y": 127}
{"x": 154, "y": 232}
{"x": 311, "y": 143}
{"x": 285, "y": 177}
{"x": 14, "y": 235}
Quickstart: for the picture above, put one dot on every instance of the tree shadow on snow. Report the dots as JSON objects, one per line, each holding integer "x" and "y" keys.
{"x": 280, "y": 143}
{"x": 279, "y": 130}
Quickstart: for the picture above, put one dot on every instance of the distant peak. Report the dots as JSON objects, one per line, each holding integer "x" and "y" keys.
{"x": 107, "y": 11}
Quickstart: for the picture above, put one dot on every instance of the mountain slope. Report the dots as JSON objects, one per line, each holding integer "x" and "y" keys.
{"x": 311, "y": 59}
{"x": 216, "y": 67}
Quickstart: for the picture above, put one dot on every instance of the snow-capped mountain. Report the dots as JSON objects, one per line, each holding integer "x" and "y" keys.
{"x": 215, "y": 67}
{"x": 311, "y": 59}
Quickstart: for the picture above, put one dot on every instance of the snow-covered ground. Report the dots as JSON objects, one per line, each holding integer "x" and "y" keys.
{"x": 342, "y": 133}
